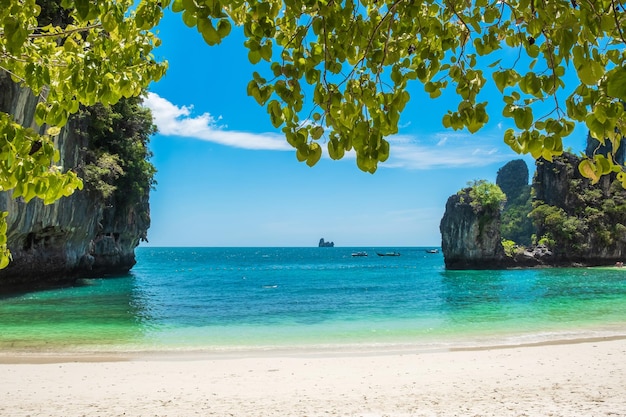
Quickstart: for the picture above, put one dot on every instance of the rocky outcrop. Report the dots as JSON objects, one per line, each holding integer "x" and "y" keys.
{"x": 512, "y": 179}
{"x": 470, "y": 238}
{"x": 324, "y": 244}
{"x": 80, "y": 235}
{"x": 576, "y": 223}
{"x": 552, "y": 180}
{"x": 592, "y": 228}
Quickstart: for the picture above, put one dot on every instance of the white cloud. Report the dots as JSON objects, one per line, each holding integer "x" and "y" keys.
{"x": 446, "y": 150}
{"x": 173, "y": 120}
{"x": 439, "y": 150}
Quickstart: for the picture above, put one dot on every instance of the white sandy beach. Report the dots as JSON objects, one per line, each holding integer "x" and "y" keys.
{"x": 585, "y": 378}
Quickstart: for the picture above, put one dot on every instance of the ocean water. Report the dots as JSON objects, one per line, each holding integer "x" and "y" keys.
{"x": 224, "y": 299}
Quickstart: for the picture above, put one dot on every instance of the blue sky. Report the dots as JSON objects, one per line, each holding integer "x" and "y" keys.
{"x": 226, "y": 177}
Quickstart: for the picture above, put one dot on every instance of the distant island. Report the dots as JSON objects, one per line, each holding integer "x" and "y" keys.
{"x": 324, "y": 244}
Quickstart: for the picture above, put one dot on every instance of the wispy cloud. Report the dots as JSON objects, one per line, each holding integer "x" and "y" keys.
{"x": 173, "y": 120}
{"x": 439, "y": 150}
{"x": 446, "y": 150}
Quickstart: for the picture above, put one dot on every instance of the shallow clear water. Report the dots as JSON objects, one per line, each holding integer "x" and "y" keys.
{"x": 229, "y": 298}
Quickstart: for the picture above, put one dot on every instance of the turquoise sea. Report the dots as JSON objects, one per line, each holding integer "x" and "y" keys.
{"x": 224, "y": 299}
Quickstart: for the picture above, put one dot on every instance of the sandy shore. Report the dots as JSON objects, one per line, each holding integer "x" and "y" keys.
{"x": 587, "y": 378}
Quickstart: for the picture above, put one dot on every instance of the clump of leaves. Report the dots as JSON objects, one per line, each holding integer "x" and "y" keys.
{"x": 485, "y": 196}
{"x": 509, "y": 247}
{"x": 100, "y": 176}
{"x": 118, "y": 166}
{"x": 102, "y": 56}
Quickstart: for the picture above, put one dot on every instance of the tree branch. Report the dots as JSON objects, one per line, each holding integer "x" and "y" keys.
{"x": 617, "y": 22}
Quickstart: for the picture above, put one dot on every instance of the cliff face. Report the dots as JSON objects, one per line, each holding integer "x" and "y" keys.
{"x": 512, "y": 179}
{"x": 575, "y": 223}
{"x": 470, "y": 239}
{"x": 80, "y": 235}
{"x": 552, "y": 180}
{"x": 592, "y": 217}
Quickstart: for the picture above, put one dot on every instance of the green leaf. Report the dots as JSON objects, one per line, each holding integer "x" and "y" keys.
{"x": 266, "y": 51}
{"x": 276, "y": 113}
{"x": 315, "y": 153}
{"x": 254, "y": 57}
{"x": 366, "y": 163}
{"x": 209, "y": 34}
{"x": 616, "y": 83}
{"x": 317, "y": 132}
{"x": 109, "y": 22}
{"x": 82, "y": 7}
{"x": 178, "y": 6}
{"x": 535, "y": 147}
{"x": 588, "y": 170}
{"x": 223, "y": 28}
{"x": 383, "y": 151}
{"x": 254, "y": 91}
{"x": 190, "y": 19}
{"x": 523, "y": 117}
{"x": 603, "y": 165}
{"x": 591, "y": 72}
{"x": 335, "y": 149}
{"x": 302, "y": 153}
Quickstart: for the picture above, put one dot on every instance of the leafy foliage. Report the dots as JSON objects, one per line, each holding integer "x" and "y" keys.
{"x": 486, "y": 200}
{"x": 352, "y": 93}
{"x": 118, "y": 164}
{"x": 515, "y": 225}
{"x": 485, "y": 196}
{"x": 79, "y": 52}
{"x": 594, "y": 216}
{"x": 565, "y": 231}
{"x": 509, "y": 247}
{"x": 100, "y": 175}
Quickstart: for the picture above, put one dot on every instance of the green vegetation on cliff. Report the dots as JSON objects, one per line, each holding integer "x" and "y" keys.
{"x": 350, "y": 94}
{"x": 118, "y": 166}
{"x": 586, "y": 218}
{"x": 564, "y": 218}
{"x": 516, "y": 226}
{"x": 101, "y": 57}
{"x": 575, "y": 218}
{"x": 485, "y": 196}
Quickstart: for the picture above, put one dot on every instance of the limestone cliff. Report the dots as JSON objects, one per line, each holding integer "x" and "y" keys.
{"x": 583, "y": 223}
{"x": 470, "y": 236}
{"x": 80, "y": 235}
{"x": 512, "y": 179}
{"x": 574, "y": 223}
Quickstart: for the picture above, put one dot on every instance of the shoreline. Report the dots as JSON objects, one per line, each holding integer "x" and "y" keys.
{"x": 309, "y": 351}
{"x": 577, "y": 378}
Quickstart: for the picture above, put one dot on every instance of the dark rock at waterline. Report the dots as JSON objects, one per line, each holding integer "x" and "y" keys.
{"x": 77, "y": 236}
{"x": 590, "y": 218}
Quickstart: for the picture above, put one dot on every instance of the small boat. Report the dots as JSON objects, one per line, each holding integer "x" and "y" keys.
{"x": 388, "y": 254}
{"x": 359, "y": 253}
{"x": 432, "y": 251}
